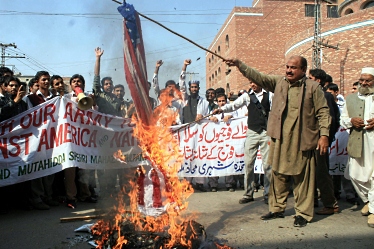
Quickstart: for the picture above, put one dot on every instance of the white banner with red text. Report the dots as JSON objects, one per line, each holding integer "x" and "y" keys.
{"x": 338, "y": 152}
{"x": 56, "y": 135}
{"x": 214, "y": 149}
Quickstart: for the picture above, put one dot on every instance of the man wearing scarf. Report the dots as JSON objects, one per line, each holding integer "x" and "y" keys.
{"x": 358, "y": 116}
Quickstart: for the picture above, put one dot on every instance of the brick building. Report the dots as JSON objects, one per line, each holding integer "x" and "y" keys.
{"x": 269, "y": 32}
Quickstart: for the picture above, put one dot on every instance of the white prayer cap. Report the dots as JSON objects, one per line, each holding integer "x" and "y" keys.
{"x": 368, "y": 70}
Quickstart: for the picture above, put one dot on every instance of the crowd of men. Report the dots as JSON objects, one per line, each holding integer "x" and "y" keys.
{"x": 292, "y": 119}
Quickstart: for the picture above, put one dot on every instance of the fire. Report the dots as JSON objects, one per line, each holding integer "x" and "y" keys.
{"x": 119, "y": 156}
{"x": 169, "y": 193}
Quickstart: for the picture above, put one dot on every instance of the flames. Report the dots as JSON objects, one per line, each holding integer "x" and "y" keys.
{"x": 161, "y": 148}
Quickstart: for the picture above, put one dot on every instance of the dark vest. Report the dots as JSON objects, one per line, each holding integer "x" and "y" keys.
{"x": 37, "y": 99}
{"x": 190, "y": 110}
{"x": 256, "y": 119}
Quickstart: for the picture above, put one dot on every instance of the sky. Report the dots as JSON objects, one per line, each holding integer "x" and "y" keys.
{"x": 60, "y": 36}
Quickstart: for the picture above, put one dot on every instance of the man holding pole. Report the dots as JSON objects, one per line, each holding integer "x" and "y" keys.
{"x": 298, "y": 124}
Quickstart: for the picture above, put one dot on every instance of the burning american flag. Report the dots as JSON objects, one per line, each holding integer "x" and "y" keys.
{"x": 134, "y": 59}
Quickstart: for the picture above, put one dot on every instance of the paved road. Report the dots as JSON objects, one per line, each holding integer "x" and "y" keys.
{"x": 238, "y": 225}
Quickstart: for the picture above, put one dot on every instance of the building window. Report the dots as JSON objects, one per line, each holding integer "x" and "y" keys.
{"x": 227, "y": 41}
{"x": 348, "y": 11}
{"x": 219, "y": 50}
{"x": 309, "y": 10}
{"x": 332, "y": 11}
{"x": 368, "y": 5}
{"x": 219, "y": 73}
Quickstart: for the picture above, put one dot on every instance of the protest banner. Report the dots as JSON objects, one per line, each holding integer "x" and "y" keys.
{"x": 56, "y": 135}
{"x": 338, "y": 152}
{"x": 213, "y": 149}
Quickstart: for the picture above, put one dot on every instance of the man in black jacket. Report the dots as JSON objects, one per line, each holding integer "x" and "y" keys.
{"x": 323, "y": 178}
{"x": 11, "y": 104}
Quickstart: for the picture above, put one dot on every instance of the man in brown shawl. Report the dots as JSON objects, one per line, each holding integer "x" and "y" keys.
{"x": 298, "y": 126}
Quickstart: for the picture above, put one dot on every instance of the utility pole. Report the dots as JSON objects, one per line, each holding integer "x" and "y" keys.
{"x": 3, "y": 56}
{"x": 317, "y": 35}
{"x": 317, "y": 42}
{"x": 191, "y": 74}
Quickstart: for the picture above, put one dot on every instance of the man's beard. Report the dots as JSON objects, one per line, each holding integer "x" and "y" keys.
{"x": 365, "y": 90}
{"x": 194, "y": 95}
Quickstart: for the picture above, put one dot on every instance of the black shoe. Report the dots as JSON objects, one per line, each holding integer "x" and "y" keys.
{"x": 246, "y": 200}
{"x": 200, "y": 187}
{"x": 272, "y": 215}
{"x": 300, "y": 221}
{"x": 266, "y": 200}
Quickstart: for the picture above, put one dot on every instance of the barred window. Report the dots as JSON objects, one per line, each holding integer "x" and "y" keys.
{"x": 332, "y": 11}
{"x": 309, "y": 10}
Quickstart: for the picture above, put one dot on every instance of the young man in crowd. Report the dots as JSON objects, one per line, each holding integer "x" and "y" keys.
{"x": 230, "y": 181}
{"x": 33, "y": 86}
{"x": 195, "y": 108}
{"x": 73, "y": 174}
{"x": 323, "y": 178}
{"x": 11, "y": 104}
{"x": 41, "y": 188}
{"x": 119, "y": 92}
{"x": 57, "y": 84}
{"x": 107, "y": 103}
{"x": 258, "y": 102}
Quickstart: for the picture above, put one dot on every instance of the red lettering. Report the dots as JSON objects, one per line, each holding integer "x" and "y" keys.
{"x": 27, "y": 145}
{"x": 107, "y": 120}
{"x": 82, "y": 134}
{"x": 74, "y": 135}
{"x": 43, "y": 140}
{"x": 67, "y": 131}
{"x": 29, "y": 120}
{"x": 4, "y": 147}
{"x": 93, "y": 139}
{"x": 97, "y": 119}
{"x": 79, "y": 114}
{"x": 56, "y": 140}
{"x": 116, "y": 139}
{"x": 69, "y": 111}
{"x": 48, "y": 112}
{"x": 8, "y": 125}
{"x": 16, "y": 145}
{"x": 37, "y": 114}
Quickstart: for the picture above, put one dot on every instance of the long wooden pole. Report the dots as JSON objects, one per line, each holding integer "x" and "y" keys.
{"x": 194, "y": 43}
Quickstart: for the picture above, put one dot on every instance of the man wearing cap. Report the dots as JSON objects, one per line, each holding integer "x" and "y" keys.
{"x": 358, "y": 116}
{"x": 195, "y": 108}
